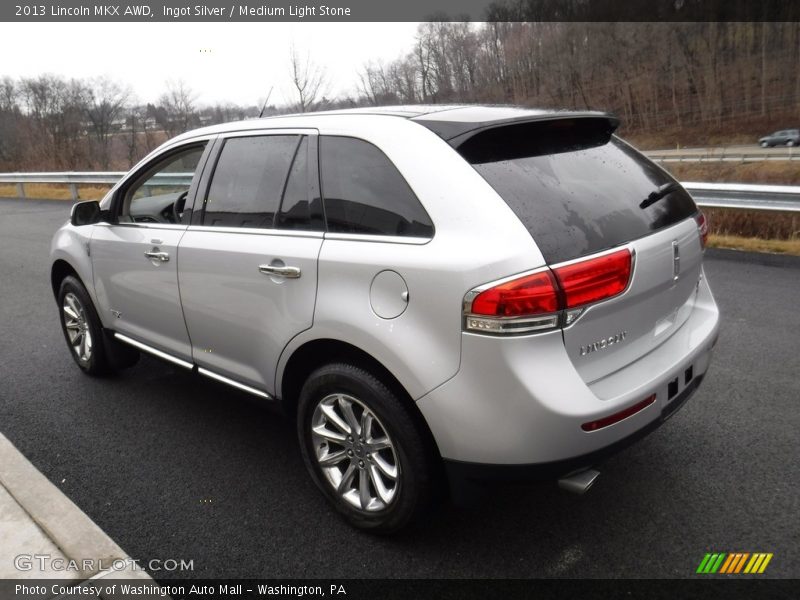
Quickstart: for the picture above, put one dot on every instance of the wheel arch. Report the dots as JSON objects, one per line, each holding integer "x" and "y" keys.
{"x": 59, "y": 271}
{"x": 316, "y": 353}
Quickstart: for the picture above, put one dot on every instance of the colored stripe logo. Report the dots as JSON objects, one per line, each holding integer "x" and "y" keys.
{"x": 734, "y": 563}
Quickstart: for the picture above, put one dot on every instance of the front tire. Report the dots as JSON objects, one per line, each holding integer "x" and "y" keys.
{"x": 363, "y": 449}
{"x": 82, "y": 329}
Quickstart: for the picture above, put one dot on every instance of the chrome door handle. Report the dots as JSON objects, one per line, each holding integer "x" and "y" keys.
{"x": 156, "y": 255}
{"x": 287, "y": 272}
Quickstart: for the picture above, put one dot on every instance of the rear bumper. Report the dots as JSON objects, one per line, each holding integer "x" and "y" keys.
{"x": 517, "y": 402}
{"x": 460, "y": 473}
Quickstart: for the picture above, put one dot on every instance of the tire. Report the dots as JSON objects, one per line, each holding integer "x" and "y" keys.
{"x": 790, "y": 143}
{"x": 389, "y": 442}
{"x": 764, "y": 145}
{"x": 82, "y": 329}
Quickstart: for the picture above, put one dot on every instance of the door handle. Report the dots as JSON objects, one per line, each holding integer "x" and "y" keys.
{"x": 280, "y": 271}
{"x": 156, "y": 255}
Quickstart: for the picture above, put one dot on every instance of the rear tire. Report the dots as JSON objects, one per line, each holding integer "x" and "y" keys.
{"x": 363, "y": 449}
{"x": 82, "y": 329}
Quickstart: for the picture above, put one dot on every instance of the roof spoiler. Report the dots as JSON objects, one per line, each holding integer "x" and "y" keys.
{"x": 456, "y": 133}
{"x": 527, "y": 138}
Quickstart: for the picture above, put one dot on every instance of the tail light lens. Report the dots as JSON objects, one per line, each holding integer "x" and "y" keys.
{"x": 595, "y": 279}
{"x": 702, "y": 228}
{"x": 529, "y": 295}
{"x": 536, "y": 301}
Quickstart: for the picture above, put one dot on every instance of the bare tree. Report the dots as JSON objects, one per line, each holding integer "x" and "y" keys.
{"x": 56, "y": 108}
{"x": 10, "y": 122}
{"x": 178, "y": 112}
{"x": 309, "y": 80}
{"x": 105, "y": 112}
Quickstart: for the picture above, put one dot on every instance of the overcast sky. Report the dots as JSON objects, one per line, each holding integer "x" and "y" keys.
{"x": 236, "y": 62}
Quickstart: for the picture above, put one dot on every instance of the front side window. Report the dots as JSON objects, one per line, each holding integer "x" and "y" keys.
{"x": 249, "y": 181}
{"x": 364, "y": 193}
{"x": 159, "y": 194}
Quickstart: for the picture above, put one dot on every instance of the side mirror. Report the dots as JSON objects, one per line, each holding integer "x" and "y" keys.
{"x": 86, "y": 213}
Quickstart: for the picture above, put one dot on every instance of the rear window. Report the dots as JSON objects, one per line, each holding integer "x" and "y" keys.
{"x": 575, "y": 187}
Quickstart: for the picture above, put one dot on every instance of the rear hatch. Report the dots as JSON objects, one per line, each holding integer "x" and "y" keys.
{"x": 580, "y": 191}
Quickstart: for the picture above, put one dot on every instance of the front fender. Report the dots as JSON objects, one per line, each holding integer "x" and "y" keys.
{"x": 73, "y": 245}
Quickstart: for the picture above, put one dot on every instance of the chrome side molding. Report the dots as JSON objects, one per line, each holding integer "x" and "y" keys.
{"x": 191, "y": 366}
{"x": 232, "y": 383}
{"x": 150, "y": 350}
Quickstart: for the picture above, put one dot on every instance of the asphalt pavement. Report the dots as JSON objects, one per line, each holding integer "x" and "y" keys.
{"x": 173, "y": 466}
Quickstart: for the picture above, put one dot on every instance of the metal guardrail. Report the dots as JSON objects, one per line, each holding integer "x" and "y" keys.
{"x": 740, "y": 195}
{"x": 722, "y": 156}
{"x": 720, "y": 195}
{"x": 75, "y": 178}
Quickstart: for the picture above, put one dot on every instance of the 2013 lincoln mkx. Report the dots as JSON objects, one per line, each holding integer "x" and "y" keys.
{"x": 435, "y": 293}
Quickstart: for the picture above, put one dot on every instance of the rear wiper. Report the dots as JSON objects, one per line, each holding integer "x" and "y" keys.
{"x": 657, "y": 195}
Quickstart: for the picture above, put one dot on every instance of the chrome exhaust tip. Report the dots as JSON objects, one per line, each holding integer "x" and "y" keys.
{"x": 579, "y": 482}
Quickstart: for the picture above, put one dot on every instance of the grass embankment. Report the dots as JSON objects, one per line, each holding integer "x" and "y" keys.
{"x": 54, "y": 191}
{"x": 755, "y": 231}
{"x": 748, "y": 244}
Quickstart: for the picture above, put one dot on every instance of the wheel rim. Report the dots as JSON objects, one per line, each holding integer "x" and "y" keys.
{"x": 78, "y": 334}
{"x": 355, "y": 453}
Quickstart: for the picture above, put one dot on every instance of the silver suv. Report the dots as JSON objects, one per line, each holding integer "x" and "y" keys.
{"x": 439, "y": 294}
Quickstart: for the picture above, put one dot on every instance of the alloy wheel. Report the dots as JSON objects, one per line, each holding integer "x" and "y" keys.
{"x": 355, "y": 453}
{"x": 77, "y": 326}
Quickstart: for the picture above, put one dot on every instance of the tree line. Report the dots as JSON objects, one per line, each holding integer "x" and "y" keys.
{"x": 682, "y": 77}
{"x": 51, "y": 122}
{"x": 652, "y": 75}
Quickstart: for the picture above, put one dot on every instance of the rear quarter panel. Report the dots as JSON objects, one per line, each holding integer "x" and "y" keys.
{"x": 477, "y": 239}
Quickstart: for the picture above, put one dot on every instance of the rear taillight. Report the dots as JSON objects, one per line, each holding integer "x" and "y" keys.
{"x": 528, "y": 295}
{"x": 702, "y": 228}
{"x": 546, "y": 298}
{"x": 518, "y": 305}
{"x": 595, "y": 279}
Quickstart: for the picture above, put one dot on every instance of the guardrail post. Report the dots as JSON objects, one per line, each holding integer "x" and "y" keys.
{"x": 20, "y": 190}
{"x": 73, "y": 189}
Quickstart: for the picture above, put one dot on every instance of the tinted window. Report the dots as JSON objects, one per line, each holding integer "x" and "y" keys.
{"x": 364, "y": 192}
{"x": 248, "y": 181}
{"x": 296, "y": 210}
{"x": 576, "y": 197}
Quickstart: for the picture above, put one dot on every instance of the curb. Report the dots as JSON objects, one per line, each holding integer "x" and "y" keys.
{"x": 67, "y": 526}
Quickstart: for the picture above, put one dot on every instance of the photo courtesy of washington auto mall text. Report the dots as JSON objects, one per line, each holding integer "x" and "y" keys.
{"x": 108, "y": 589}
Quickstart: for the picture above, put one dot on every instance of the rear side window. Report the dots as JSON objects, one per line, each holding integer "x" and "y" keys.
{"x": 575, "y": 187}
{"x": 249, "y": 181}
{"x": 364, "y": 193}
{"x": 297, "y": 210}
